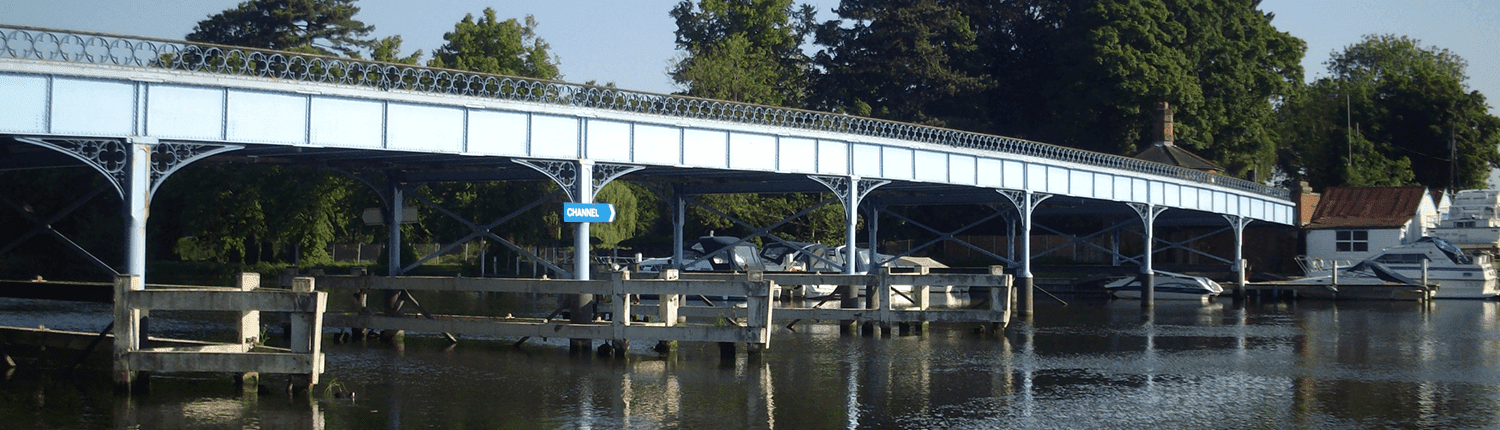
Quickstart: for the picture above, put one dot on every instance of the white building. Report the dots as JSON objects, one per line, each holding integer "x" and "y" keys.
{"x": 1351, "y": 224}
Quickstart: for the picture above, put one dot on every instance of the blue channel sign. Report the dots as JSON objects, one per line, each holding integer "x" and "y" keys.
{"x": 588, "y": 212}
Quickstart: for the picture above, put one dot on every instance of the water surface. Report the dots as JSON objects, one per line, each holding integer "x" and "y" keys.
{"x": 1309, "y": 364}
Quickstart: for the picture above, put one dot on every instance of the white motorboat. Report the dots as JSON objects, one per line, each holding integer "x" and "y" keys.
{"x": 1366, "y": 280}
{"x": 1457, "y": 274}
{"x": 1168, "y": 286}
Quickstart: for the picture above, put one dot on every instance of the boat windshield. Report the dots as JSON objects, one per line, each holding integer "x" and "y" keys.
{"x": 1455, "y": 254}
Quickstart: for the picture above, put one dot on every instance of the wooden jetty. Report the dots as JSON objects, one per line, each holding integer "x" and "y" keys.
{"x": 669, "y": 319}
{"x": 303, "y": 360}
{"x": 878, "y": 310}
{"x": 673, "y": 318}
{"x": 754, "y": 329}
{"x": 1384, "y": 291}
{"x": 135, "y": 355}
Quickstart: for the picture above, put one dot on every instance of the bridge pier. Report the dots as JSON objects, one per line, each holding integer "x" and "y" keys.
{"x": 1148, "y": 213}
{"x": 1025, "y": 203}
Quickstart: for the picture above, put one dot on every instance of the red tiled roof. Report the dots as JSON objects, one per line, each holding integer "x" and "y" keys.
{"x": 1367, "y": 207}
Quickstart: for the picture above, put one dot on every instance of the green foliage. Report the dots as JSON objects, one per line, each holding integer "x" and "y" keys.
{"x": 389, "y": 50}
{"x": 482, "y": 202}
{"x": 1088, "y": 74}
{"x": 824, "y": 225}
{"x": 499, "y": 47}
{"x": 1386, "y": 116}
{"x": 324, "y": 27}
{"x": 635, "y": 212}
{"x": 733, "y": 70}
{"x": 230, "y": 209}
{"x": 743, "y": 50}
{"x": 897, "y": 59}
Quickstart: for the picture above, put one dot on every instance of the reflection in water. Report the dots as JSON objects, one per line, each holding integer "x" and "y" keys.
{"x": 1088, "y": 365}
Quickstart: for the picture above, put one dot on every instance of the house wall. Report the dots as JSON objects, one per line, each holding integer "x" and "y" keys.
{"x": 1321, "y": 244}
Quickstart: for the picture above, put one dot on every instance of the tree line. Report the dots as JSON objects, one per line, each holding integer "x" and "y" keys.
{"x": 1080, "y": 73}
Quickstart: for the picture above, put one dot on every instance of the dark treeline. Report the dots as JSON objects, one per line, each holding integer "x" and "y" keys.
{"x": 1080, "y": 73}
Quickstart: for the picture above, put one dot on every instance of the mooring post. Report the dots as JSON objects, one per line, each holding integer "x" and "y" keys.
{"x": 307, "y": 332}
{"x": 621, "y": 311}
{"x": 758, "y": 311}
{"x": 249, "y": 330}
{"x": 883, "y": 299}
{"x": 1000, "y": 299}
{"x": 127, "y": 330}
{"x": 847, "y": 300}
{"x": 666, "y": 310}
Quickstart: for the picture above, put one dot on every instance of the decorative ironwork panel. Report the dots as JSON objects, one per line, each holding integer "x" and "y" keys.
{"x": 108, "y": 156}
{"x": 564, "y": 173}
{"x": 605, "y": 173}
{"x": 167, "y": 158}
{"x": 1147, "y": 212}
{"x": 840, "y": 187}
{"x": 1018, "y": 199}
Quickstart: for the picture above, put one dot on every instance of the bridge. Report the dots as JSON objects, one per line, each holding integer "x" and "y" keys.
{"x": 138, "y": 109}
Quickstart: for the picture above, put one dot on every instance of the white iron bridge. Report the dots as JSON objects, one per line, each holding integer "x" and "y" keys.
{"x": 138, "y": 109}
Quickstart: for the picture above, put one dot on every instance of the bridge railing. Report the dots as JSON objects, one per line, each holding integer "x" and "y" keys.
{"x": 128, "y": 51}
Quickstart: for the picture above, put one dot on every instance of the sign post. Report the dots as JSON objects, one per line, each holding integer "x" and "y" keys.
{"x": 588, "y": 212}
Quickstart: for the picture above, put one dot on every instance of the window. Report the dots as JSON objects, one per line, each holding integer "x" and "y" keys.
{"x": 1351, "y": 241}
{"x": 1401, "y": 258}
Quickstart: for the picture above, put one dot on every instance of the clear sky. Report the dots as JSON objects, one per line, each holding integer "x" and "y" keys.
{"x": 630, "y": 42}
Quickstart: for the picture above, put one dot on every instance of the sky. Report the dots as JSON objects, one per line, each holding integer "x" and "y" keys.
{"x": 630, "y": 43}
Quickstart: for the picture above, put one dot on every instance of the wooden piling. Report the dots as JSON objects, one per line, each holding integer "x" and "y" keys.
{"x": 127, "y": 330}
{"x": 249, "y": 328}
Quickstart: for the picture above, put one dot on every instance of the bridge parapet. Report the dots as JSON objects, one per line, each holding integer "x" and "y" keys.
{"x": 37, "y": 44}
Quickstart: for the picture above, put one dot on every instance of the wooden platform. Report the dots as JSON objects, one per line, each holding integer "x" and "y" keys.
{"x": 1387, "y": 291}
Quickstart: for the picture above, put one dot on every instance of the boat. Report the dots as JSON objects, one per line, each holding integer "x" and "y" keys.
{"x": 1168, "y": 286}
{"x": 1366, "y": 280}
{"x": 1457, "y": 274}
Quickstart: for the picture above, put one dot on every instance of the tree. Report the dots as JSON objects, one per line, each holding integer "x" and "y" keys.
{"x": 743, "y": 50}
{"x": 1242, "y": 65}
{"x": 389, "y": 50}
{"x": 634, "y": 213}
{"x": 317, "y": 26}
{"x": 896, "y": 59}
{"x": 1390, "y": 109}
{"x": 751, "y": 51}
{"x": 499, "y": 47}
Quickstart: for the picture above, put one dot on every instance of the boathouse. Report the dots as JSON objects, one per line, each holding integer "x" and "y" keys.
{"x": 1351, "y": 224}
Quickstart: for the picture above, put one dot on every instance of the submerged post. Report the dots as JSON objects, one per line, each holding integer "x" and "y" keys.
{"x": 583, "y": 307}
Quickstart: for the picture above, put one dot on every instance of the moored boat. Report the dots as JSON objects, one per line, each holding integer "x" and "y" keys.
{"x": 1167, "y": 286}
{"x": 1457, "y": 274}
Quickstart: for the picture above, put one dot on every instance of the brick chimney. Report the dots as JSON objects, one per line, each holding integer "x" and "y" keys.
{"x": 1164, "y": 122}
{"x": 1306, "y": 201}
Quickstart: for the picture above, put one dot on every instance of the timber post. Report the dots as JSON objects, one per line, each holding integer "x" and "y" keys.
{"x": 249, "y": 330}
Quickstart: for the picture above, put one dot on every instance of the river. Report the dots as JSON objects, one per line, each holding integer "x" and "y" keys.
{"x": 1307, "y": 364}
